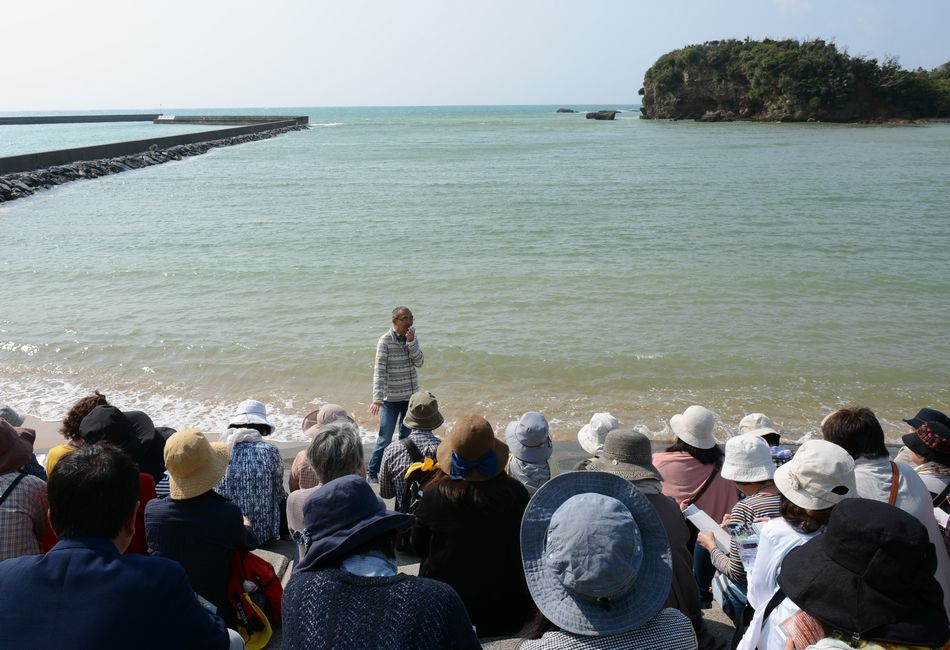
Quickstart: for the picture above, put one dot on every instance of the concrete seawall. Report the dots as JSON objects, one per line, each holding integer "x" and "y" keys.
{"x": 24, "y": 174}
{"x": 78, "y": 119}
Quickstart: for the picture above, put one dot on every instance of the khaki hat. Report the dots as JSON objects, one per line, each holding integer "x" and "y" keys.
{"x": 471, "y": 451}
{"x": 694, "y": 426}
{"x": 756, "y": 424}
{"x": 194, "y": 464}
{"x": 423, "y": 412}
{"x": 819, "y": 476}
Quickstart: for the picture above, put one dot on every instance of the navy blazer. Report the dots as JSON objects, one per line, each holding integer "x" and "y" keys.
{"x": 85, "y": 594}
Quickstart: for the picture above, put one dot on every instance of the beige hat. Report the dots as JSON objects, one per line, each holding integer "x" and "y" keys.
{"x": 194, "y": 464}
{"x": 819, "y": 475}
{"x": 748, "y": 460}
{"x": 694, "y": 426}
{"x": 756, "y": 424}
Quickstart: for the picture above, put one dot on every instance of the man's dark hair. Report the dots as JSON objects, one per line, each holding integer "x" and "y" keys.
{"x": 92, "y": 492}
{"x": 857, "y": 431}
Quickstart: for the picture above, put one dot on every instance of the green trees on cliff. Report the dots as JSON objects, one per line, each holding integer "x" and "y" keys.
{"x": 789, "y": 80}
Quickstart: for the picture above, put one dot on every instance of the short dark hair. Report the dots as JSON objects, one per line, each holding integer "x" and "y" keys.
{"x": 399, "y": 309}
{"x": 92, "y": 492}
{"x": 857, "y": 431}
{"x": 797, "y": 517}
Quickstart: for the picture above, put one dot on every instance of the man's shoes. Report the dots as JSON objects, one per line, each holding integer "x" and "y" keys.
{"x": 372, "y": 480}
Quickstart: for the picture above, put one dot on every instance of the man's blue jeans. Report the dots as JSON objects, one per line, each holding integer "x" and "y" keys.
{"x": 390, "y": 414}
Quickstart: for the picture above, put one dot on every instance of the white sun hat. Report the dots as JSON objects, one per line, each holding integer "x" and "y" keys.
{"x": 592, "y": 435}
{"x": 748, "y": 460}
{"x": 694, "y": 426}
{"x": 756, "y": 424}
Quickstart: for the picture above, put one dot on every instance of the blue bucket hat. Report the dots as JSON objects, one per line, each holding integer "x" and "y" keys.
{"x": 595, "y": 554}
{"x": 341, "y": 516}
{"x": 529, "y": 438}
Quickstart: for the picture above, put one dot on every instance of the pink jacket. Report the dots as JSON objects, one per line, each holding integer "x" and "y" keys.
{"x": 683, "y": 475}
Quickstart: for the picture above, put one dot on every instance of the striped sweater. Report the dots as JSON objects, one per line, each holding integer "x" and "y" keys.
{"x": 765, "y": 504}
{"x": 394, "y": 375}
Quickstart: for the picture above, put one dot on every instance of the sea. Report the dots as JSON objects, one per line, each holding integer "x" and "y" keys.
{"x": 552, "y": 263}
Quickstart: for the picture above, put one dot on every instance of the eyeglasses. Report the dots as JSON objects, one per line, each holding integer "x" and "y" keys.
{"x": 405, "y": 318}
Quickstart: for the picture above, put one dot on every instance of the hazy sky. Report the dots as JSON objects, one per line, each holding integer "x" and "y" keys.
{"x": 100, "y": 54}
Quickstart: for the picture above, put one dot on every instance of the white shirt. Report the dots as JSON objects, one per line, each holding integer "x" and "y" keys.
{"x": 873, "y": 479}
{"x": 775, "y": 541}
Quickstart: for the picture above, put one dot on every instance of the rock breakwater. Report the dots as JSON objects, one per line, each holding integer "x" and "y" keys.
{"x": 19, "y": 185}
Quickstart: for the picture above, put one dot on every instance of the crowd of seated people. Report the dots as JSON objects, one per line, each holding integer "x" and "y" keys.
{"x": 828, "y": 545}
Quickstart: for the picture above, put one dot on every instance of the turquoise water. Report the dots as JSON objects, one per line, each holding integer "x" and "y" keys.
{"x": 552, "y": 263}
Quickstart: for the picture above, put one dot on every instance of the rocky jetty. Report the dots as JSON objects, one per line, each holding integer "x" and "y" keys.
{"x": 602, "y": 115}
{"x": 565, "y": 110}
{"x": 15, "y": 186}
{"x": 788, "y": 81}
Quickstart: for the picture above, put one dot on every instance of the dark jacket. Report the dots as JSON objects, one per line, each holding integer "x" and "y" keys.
{"x": 200, "y": 534}
{"x": 476, "y": 550}
{"x": 332, "y": 608}
{"x": 84, "y": 595}
{"x": 684, "y": 594}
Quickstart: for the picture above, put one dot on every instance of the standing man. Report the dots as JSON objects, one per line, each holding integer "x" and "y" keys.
{"x": 394, "y": 380}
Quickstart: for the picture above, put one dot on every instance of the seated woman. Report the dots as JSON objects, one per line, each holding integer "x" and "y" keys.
{"x": 467, "y": 525}
{"x": 347, "y": 593}
{"x": 603, "y": 590}
{"x": 255, "y": 476}
{"x": 929, "y": 449}
{"x": 868, "y": 582}
{"x": 690, "y": 469}
{"x": 750, "y": 466}
{"x": 819, "y": 477}
{"x": 70, "y": 428}
{"x": 195, "y": 526}
{"x": 302, "y": 476}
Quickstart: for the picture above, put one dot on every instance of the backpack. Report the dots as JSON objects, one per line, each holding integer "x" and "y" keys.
{"x": 418, "y": 474}
{"x": 253, "y": 613}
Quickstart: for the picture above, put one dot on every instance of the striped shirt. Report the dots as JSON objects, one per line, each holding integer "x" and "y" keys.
{"x": 394, "y": 374}
{"x": 668, "y": 630}
{"x": 762, "y": 505}
{"x": 22, "y": 516}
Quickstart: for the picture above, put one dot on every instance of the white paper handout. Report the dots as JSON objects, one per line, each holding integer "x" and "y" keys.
{"x": 707, "y": 524}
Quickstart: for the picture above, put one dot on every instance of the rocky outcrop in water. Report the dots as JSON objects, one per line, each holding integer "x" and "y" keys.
{"x": 788, "y": 81}
{"x": 15, "y": 186}
{"x": 602, "y": 115}
{"x": 565, "y": 110}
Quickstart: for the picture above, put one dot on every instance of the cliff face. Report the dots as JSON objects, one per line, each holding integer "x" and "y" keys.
{"x": 784, "y": 81}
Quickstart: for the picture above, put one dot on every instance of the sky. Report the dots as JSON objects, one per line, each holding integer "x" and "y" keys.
{"x": 119, "y": 54}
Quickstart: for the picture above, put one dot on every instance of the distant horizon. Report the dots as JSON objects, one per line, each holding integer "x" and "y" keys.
{"x": 147, "y": 109}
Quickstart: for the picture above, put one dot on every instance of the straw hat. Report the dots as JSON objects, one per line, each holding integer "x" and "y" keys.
{"x": 748, "y": 460}
{"x": 694, "y": 426}
{"x": 756, "y": 424}
{"x": 471, "y": 452}
{"x": 592, "y": 435}
{"x": 595, "y": 554}
{"x": 529, "y": 439}
{"x": 627, "y": 454}
{"x": 819, "y": 476}
{"x": 194, "y": 464}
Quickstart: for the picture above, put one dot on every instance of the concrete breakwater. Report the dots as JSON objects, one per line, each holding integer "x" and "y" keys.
{"x": 17, "y": 185}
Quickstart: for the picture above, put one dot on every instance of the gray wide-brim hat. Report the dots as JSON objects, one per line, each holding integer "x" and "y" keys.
{"x": 628, "y": 454}
{"x": 529, "y": 438}
{"x": 596, "y": 556}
